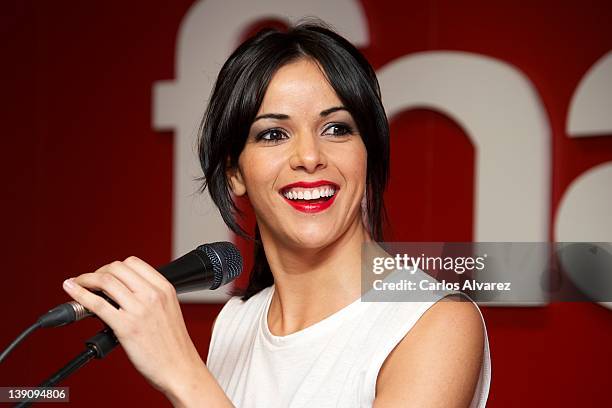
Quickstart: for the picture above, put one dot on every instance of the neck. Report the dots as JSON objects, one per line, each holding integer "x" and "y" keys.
{"x": 311, "y": 284}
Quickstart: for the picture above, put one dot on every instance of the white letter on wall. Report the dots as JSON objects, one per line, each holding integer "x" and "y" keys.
{"x": 501, "y": 112}
{"x": 585, "y": 210}
{"x": 590, "y": 111}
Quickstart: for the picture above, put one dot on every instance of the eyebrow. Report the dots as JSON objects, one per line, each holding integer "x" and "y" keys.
{"x": 282, "y": 116}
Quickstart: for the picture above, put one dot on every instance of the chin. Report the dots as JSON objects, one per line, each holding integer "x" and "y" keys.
{"x": 313, "y": 239}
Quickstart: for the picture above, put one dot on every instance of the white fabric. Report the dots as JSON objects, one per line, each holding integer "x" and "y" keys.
{"x": 333, "y": 363}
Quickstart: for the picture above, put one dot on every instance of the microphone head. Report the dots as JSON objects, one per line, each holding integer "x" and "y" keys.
{"x": 225, "y": 259}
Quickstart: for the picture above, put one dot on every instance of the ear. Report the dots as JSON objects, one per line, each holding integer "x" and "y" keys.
{"x": 236, "y": 181}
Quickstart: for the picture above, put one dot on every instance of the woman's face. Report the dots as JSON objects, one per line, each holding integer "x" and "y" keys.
{"x": 303, "y": 166}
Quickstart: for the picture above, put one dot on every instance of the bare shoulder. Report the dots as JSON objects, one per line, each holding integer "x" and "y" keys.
{"x": 438, "y": 362}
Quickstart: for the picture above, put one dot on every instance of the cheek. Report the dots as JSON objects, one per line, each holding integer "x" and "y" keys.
{"x": 260, "y": 170}
{"x": 354, "y": 164}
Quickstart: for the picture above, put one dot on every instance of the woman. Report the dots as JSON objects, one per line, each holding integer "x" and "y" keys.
{"x": 296, "y": 125}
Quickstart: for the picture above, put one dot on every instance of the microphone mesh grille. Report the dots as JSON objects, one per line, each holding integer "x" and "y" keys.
{"x": 226, "y": 261}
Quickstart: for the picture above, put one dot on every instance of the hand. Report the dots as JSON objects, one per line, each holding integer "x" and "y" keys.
{"x": 148, "y": 324}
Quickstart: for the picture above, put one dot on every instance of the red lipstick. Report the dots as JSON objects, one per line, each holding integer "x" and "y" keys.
{"x": 311, "y": 206}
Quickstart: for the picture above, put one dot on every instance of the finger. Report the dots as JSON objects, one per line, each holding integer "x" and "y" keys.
{"x": 111, "y": 286}
{"x": 149, "y": 273}
{"x": 128, "y": 276}
{"x": 92, "y": 302}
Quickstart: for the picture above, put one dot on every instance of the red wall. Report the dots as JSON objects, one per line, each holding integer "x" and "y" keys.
{"x": 88, "y": 181}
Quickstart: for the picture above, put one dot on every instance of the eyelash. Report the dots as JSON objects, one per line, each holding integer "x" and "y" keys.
{"x": 345, "y": 130}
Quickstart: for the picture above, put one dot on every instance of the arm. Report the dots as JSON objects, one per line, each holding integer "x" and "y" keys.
{"x": 200, "y": 389}
{"x": 437, "y": 363}
{"x": 150, "y": 327}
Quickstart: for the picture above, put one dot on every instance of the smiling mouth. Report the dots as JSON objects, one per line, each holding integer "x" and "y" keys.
{"x": 322, "y": 193}
{"x": 309, "y": 198}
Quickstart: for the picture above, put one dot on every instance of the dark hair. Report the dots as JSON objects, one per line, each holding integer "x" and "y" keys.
{"x": 237, "y": 96}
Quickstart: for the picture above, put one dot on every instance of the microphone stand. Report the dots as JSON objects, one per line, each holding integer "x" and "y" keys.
{"x": 96, "y": 347}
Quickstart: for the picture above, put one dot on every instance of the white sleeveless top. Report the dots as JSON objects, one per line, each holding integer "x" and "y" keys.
{"x": 333, "y": 363}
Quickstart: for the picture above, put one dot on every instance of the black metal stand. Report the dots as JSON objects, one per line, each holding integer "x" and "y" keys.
{"x": 97, "y": 347}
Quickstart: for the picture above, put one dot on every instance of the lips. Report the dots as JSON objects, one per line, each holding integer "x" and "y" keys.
{"x": 310, "y": 196}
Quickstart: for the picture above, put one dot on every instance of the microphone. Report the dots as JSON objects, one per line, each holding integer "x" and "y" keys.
{"x": 209, "y": 266}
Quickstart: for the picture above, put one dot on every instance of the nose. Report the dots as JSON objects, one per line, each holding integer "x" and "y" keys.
{"x": 307, "y": 154}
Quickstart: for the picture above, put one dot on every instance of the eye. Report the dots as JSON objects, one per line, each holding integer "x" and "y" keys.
{"x": 271, "y": 135}
{"x": 338, "y": 129}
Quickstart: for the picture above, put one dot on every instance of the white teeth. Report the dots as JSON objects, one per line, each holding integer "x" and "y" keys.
{"x": 310, "y": 194}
